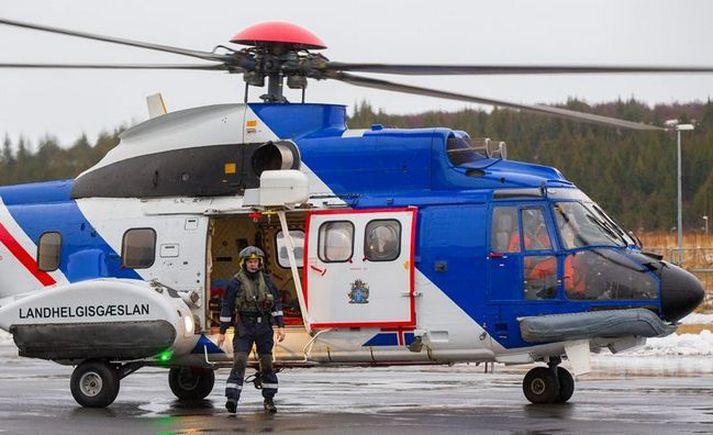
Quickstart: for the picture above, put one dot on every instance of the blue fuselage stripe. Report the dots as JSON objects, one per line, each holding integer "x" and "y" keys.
{"x": 84, "y": 253}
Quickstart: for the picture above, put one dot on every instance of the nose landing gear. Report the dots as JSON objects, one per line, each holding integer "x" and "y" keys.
{"x": 552, "y": 384}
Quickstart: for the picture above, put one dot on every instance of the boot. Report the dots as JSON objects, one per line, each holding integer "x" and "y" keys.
{"x": 231, "y": 405}
{"x": 269, "y": 405}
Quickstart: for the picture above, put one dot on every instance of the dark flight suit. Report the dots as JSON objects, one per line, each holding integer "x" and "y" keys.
{"x": 256, "y": 310}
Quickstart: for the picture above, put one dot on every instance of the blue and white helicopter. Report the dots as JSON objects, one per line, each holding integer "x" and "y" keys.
{"x": 389, "y": 246}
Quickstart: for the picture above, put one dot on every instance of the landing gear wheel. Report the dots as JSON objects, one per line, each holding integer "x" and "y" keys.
{"x": 566, "y": 385}
{"x": 191, "y": 383}
{"x": 94, "y": 384}
{"x": 541, "y": 385}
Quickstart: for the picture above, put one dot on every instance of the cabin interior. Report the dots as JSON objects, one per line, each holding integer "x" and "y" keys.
{"x": 229, "y": 235}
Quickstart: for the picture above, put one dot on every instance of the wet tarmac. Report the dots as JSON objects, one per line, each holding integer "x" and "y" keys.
{"x": 634, "y": 394}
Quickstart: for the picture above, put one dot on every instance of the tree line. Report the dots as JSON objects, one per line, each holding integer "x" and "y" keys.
{"x": 23, "y": 162}
{"x": 632, "y": 174}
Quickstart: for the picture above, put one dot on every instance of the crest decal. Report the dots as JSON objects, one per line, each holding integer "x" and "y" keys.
{"x": 359, "y": 294}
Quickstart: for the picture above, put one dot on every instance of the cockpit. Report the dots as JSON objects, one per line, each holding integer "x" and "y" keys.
{"x": 565, "y": 247}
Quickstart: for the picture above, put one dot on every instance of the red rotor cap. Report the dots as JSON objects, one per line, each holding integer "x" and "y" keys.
{"x": 278, "y": 32}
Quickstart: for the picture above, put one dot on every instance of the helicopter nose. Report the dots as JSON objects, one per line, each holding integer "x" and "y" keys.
{"x": 681, "y": 292}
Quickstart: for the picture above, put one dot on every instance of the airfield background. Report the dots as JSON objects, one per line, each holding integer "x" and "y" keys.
{"x": 630, "y": 173}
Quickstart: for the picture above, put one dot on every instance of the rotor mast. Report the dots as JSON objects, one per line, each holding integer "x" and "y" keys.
{"x": 274, "y": 89}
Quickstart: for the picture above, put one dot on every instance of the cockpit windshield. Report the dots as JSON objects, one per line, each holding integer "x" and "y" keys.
{"x": 583, "y": 224}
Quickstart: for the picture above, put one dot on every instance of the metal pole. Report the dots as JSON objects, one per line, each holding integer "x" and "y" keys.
{"x": 679, "y": 128}
{"x": 705, "y": 219}
{"x": 679, "y": 225}
{"x": 295, "y": 273}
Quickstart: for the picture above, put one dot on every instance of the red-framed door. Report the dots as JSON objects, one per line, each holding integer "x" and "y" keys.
{"x": 358, "y": 268}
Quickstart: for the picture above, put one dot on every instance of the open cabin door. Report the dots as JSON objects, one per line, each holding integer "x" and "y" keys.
{"x": 359, "y": 270}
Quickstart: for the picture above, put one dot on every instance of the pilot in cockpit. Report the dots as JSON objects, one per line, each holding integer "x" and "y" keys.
{"x": 574, "y": 267}
{"x": 504, "y": 228}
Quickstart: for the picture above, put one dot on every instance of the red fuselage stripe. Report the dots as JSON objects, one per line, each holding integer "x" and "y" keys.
{"x": 24, "y": 257}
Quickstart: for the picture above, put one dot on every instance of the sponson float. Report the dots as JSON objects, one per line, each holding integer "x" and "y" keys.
{"x": 389, "y": 246}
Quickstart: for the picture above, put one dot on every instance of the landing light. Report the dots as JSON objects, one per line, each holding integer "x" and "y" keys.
{"x": 188, "y": 324}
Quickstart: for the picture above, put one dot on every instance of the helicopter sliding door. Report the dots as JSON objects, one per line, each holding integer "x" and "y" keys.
{"x": 359, "y": 270}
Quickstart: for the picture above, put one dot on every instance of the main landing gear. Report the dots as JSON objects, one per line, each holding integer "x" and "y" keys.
{"x": 95, "y": 383}
{"x": 551, "y": 384}
{"x": 191, "y": 384}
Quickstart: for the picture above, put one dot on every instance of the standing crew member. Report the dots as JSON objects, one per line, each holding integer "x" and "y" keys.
{"x": 255, "y": 301}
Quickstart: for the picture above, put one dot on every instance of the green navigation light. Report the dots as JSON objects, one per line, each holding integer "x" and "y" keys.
{"x": 165, "y": 356}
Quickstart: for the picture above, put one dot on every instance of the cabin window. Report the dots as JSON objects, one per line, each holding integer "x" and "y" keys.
{"x": 505, "y": 235}
{"x": 298, "y": 236}
{"x": 48, "y": 250}
{"x": 382, "y": 240}
{"x": 138, "y": 248}
{"x": 336, "y": 241}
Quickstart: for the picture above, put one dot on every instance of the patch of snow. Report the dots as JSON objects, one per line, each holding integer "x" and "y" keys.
{"x": 697, "y": 318}
{"x": 682, "y": 345}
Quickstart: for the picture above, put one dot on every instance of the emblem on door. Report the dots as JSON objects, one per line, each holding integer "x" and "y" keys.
{"x": 359, "y": 294}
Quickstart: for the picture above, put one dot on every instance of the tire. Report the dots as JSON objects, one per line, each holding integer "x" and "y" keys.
{"x": 541, "y": 385}
{"x": 566, "y": 385}
{"x": 190, "y": 384}
{"x": 94, "y": 384}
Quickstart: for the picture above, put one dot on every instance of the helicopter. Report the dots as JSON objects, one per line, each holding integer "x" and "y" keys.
{"x": 389, "y": 246}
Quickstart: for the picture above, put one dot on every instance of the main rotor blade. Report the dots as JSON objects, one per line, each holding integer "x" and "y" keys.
{"x": 404, "y": 69}
{"x": 215, "y": 67}
{"x": 368, "y": 82}
{"x": 165, "y": 48}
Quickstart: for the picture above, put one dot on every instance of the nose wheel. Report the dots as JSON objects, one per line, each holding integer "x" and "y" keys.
{"x": 548, "y": 385}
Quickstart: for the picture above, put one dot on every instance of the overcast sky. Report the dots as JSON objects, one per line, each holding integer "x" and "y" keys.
{"x": 66, "y": 103}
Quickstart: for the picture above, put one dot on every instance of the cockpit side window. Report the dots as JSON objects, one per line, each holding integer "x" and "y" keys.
{"x": 503, "y": 228}
{"x": 535, "y": 234}
{"x": 539, "y": 271}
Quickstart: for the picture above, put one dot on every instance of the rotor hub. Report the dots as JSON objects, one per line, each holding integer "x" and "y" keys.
{"x": 278, "y": 32}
